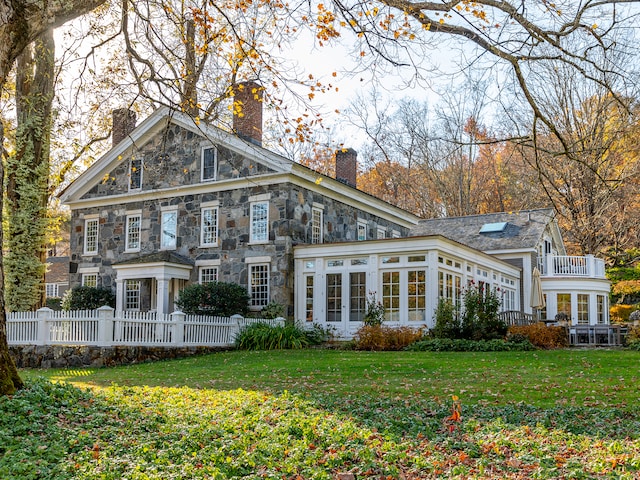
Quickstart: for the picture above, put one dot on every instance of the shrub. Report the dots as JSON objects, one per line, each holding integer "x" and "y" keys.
{"x": 447, "y": 324}
{"x": 272, "y": 310}
{"x": 215, "y": 298}
{"x": 88, "y": 298}
{"x": 632, "y": 339}
{"x": 379, "y": 337}
{"x": 54, "y": 303}
{"x": 464, "y": 345}
{"x": 375, "y": 312}
{"x": 626, "y": 291}
{"x": 263, "y": 336}
{"x": 619, "y": 313}
{"x": 542, "y": 336}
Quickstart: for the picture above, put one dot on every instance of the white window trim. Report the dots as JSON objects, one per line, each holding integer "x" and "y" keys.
{"x": 200, "y": 264}
{"x": 163, "y": 212}
{"x": 215, "y": 163}
{"x": 130, "y": 215}
{"x": 87, "y": 220}
{"x": 381, "y": 232}
{"x": 131, "y": 160}
{"x": 215, "y": 208}
{"x": 361, "y": 224}
{"x": 252, "y": 241}
{"x": 202, "y": 267}
{"x": 395, "y": 234}
{"x": 317, "y": 207}
{"x": 51, "y": 290}
{"x": 250, "y": 287}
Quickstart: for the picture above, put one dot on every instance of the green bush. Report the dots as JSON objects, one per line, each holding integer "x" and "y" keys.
{"x": 476, "y": 319}
{"x": 464, "y": 345}
{"x": 272, "y": 310}
{"x": 263, "y": 336}
{"x": 88, "y": 298}
{"x": 215, "y": 298}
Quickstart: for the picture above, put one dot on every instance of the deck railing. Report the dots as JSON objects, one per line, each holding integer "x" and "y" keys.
{"x": 106, "y": 327}
{"x": 571, "y": 266}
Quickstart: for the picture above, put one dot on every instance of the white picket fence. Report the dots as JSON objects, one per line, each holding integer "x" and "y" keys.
{"x": 106, "y": 327}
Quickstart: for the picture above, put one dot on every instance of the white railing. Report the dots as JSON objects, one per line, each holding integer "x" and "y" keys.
{"x": 106, "y": 327}
{"x": 571, "y": 266}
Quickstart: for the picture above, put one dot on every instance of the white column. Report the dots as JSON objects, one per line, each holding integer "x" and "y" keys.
{"x": 162, "y": 296}
{"x": 119, "y": 295}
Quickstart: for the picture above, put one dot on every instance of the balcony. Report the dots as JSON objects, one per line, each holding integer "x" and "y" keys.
{"x": 571, "y": 266}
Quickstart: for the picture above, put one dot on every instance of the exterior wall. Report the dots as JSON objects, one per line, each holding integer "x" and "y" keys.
{"x": 574, "y": 286}
{"x": 290, "y": 217}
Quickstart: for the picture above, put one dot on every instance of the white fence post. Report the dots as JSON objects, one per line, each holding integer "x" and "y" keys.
{"x": 280, "y": 321}
{"x": 237, "y": 320}
{"x": 43, "y": 314}
{"x": 105, "y": 326}
{"x": 177, "y": 321}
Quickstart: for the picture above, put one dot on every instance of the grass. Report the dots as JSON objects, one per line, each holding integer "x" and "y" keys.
{"x": 315, "y": 413}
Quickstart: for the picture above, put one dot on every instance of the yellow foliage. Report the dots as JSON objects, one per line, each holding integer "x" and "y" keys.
{"x": 620, "y": 313}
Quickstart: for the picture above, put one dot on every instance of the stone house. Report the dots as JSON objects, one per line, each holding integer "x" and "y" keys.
{"x": 176, "y": 201}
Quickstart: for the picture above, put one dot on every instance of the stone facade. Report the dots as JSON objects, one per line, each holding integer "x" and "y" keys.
{"x": 173, "y": 159}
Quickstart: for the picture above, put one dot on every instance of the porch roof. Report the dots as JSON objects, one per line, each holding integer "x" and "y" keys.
{"x": 165, "y": 256}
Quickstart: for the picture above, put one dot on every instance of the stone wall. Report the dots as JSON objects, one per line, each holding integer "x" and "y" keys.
{"x": 59, "y": 356}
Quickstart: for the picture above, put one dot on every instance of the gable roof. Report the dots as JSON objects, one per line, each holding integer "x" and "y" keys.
{"x": 286, "y": 170}
{"x": 520, "y": 230}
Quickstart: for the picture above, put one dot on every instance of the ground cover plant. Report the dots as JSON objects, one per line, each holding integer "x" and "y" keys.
{"x": 315, "y": 413}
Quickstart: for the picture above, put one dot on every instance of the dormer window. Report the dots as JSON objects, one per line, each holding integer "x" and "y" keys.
{"x": 209, "y": 163}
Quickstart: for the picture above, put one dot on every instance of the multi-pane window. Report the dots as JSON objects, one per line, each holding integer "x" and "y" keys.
{"x": 90, "y": 280}
{"x": 417, "y": 294}
{"x": 259, "y": 284}
{"x": 135, "y": 174}
{"x": 334, "y": 297}
{"x": 133, "y": 233}
{"x": 208, "y": 275}
{"x": 132, "y": 295}
{"x": 316, "y": 225}
{"x": 259, "y": 222}
{"x": 381, "y": 232}
{"x": 91, "y": 236}
{"x": 391, "y": 295}
{"x": 209, "y": 163}
{"x": 209, "y": 232}
{"x": 169, "y": 226}
{"x": 362, "y": 230}
{"x": 51, "y": 290}
{"x": 308, "y": 309}
{"x": 601, "y": 309}
{"x": 564, "y": 304}
{"x": 583, "y": 309}
{"x": 358, "y": 296}
{"x": 450, "y": 286}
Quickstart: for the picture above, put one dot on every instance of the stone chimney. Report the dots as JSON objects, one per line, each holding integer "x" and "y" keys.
{"x": 124, "y": 121}
{"x": 247, "y": 112}
{"x": 347, "y": 166}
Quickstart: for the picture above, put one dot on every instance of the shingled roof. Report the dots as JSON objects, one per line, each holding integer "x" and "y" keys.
{"x": 506, "y": 230}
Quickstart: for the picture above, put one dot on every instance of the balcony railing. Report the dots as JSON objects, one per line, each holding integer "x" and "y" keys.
{"x": 571, "y": 266}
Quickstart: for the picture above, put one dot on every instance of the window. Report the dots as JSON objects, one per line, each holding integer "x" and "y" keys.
{"x": 334, "y": 297}
{"x": 308, "y": 302}
{"x": 208, "y": 275}
{"x": 132, "y": 243}
{"x": 395, "y": 234}
{"x": 259, "y": 222}
{"x": 583, "y": 309}
{"x": 601, "y": 306}
{"x": 381, "y": 232}
{"x": 90, "y": 280}
{"x": 135, "y": 174}
{"x": 132, "y": 295}
{"x": 358, "y": 296}
{"x": 209, "y": 231}
{"x": 259, "y": 285}
{"x": 362, "y": 230}
{"x": 209, "y": 163}
{"x": 564, "y": 304}
{"x": 450, "y": 287}
{"x": 91, "y": 236}
{"x": 417, "y": 294}
{"x": 169, "y": 226}
{"x": 316, "y": 225}
{"x": 391, "y": 295}
{"x": 51, "y": 290}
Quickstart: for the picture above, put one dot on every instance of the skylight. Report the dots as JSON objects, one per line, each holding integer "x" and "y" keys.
{"x": 493, "y": 227}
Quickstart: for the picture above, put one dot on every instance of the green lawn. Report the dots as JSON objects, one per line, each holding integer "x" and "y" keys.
{"x": 316, "y": 413}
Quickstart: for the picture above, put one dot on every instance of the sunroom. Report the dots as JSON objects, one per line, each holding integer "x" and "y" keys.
{"x": 408, "y": 276}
